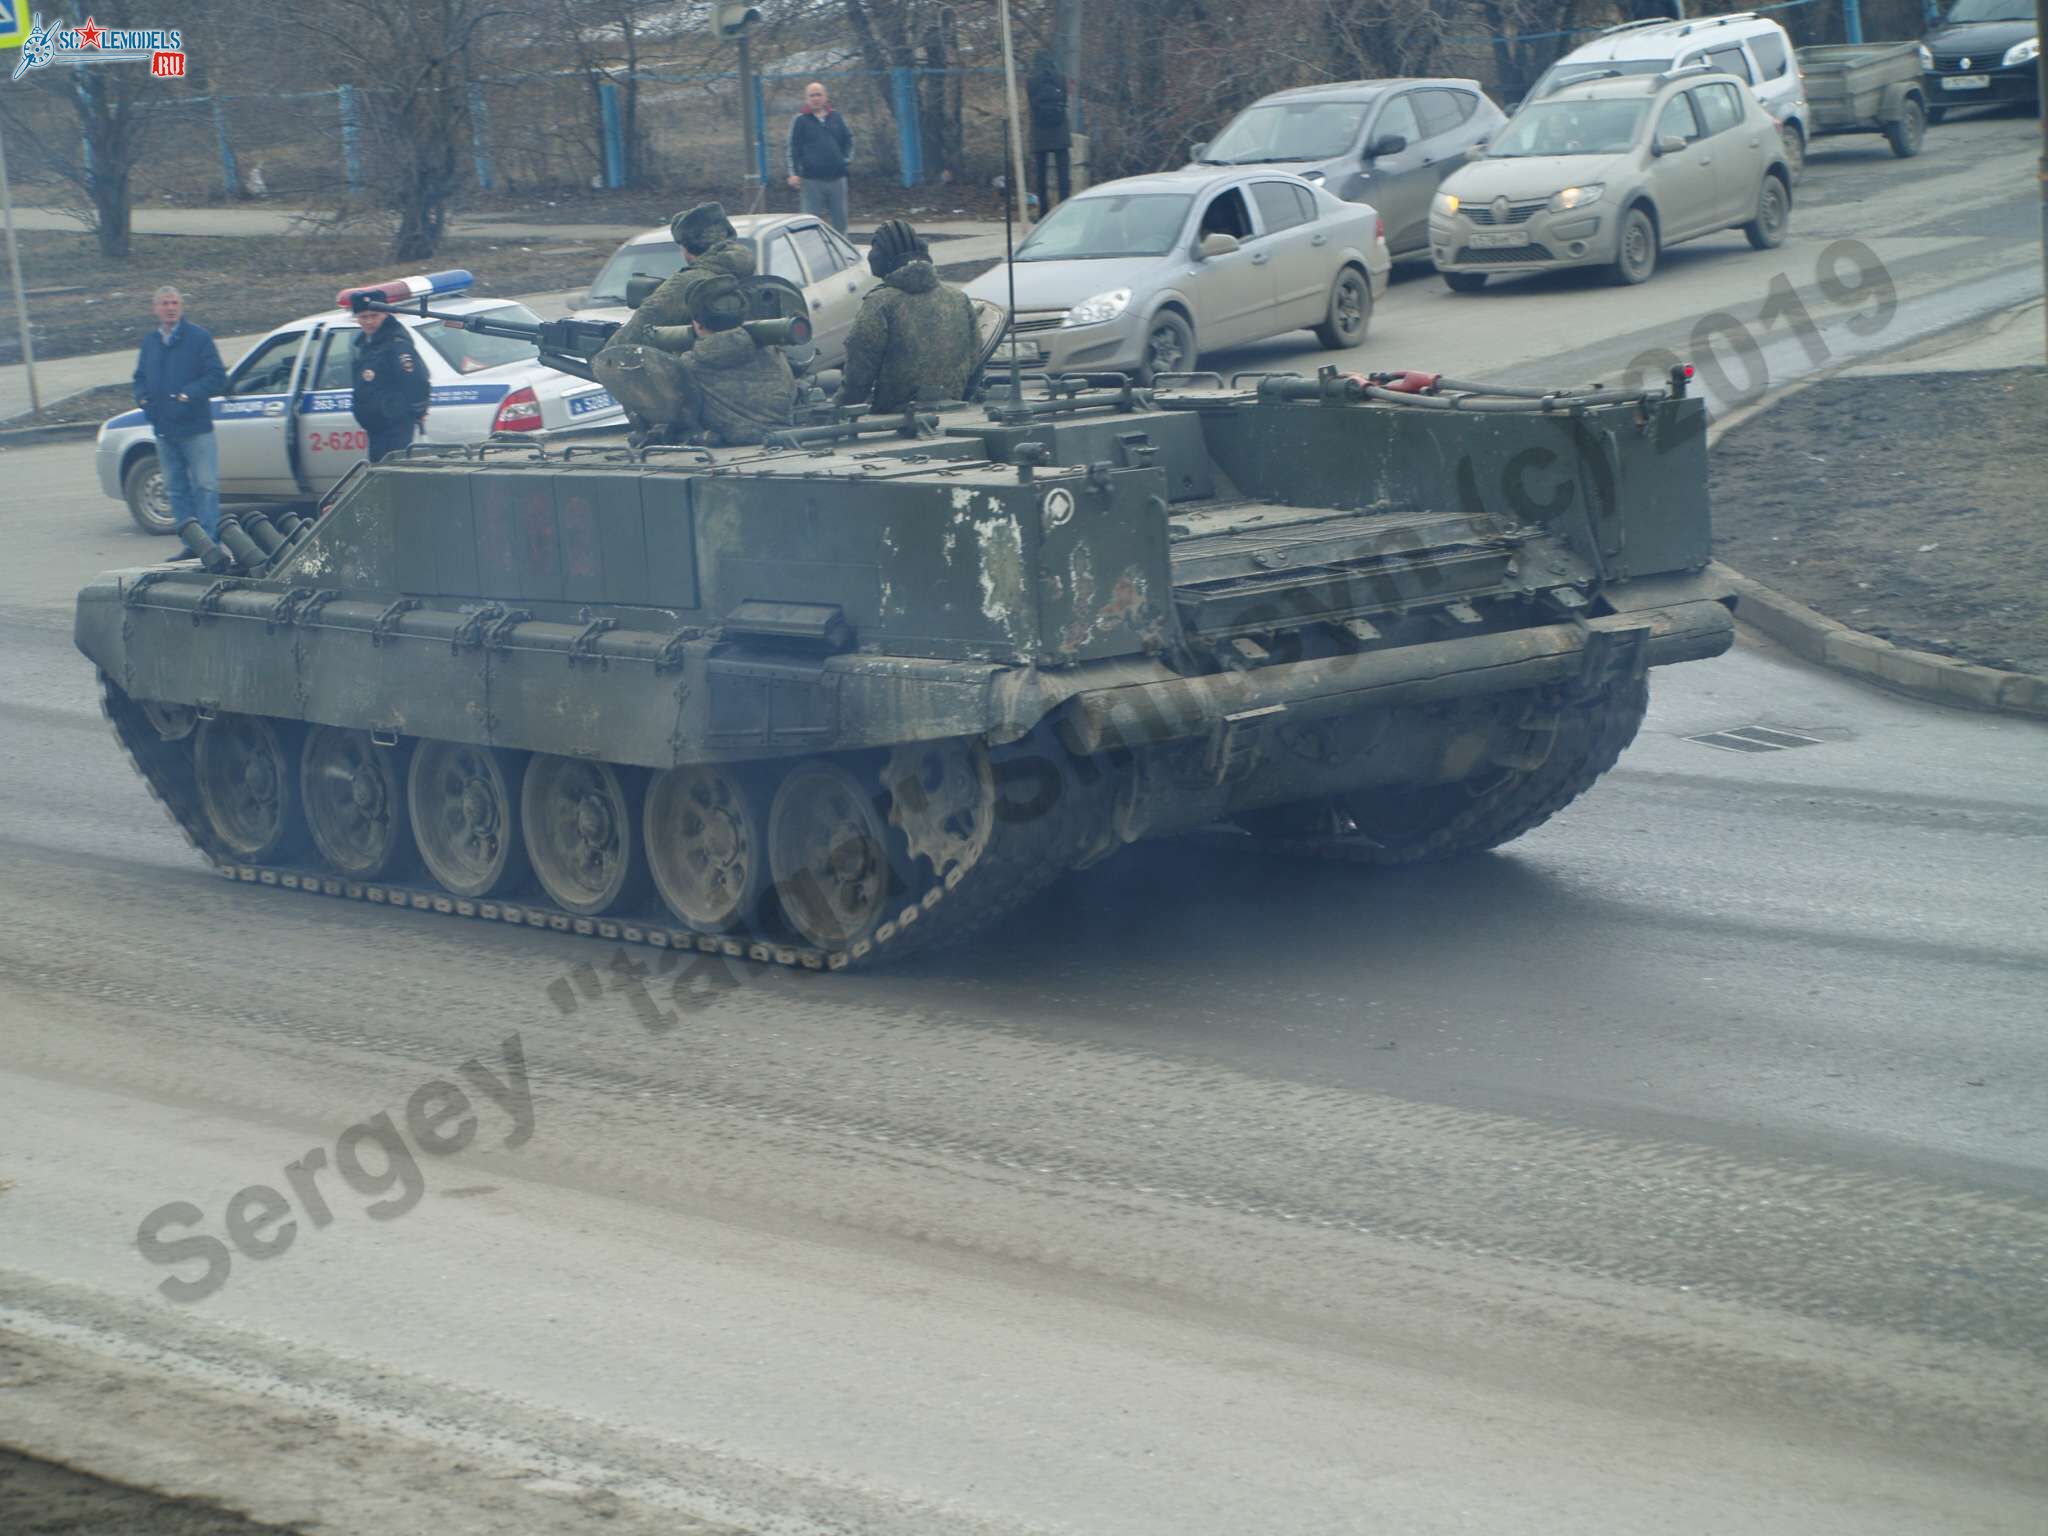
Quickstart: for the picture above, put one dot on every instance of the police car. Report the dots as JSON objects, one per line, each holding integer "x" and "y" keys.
{"x": 284, "y": 428}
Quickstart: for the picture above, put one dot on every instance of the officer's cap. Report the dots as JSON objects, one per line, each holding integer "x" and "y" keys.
{"x": 699, "y": 227}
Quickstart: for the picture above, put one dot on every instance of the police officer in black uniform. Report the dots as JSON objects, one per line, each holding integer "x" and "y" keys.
{"x": 391, "y": 385}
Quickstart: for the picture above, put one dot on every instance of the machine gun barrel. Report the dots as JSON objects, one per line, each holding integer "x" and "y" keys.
{"x": 566, "y": 345}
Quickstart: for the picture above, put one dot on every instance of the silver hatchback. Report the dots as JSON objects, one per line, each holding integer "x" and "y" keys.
{"x": 1607, "y": 173}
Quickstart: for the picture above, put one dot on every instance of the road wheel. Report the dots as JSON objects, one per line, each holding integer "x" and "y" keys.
{"x": 1636, "y": 256}
{"x": 1465, "y": 282}
{"x": 465, "y": 814}
{"x": 582, "y": 825}
{"x": 828, "y": 852}
{"x": 706, "y": 845}
{"x": 247, "y": 781}
{"x": 1795, "y": 150}
{"x": 149, "y": 503}
{"x": 1350, "y": 311}
{"x": 354, "y": 794}
{"x": 1169, "y": 347}
{"x": 1936, "y": 114}
{"x": 1909, "y": 131}
{"x": 1773, "y": 206}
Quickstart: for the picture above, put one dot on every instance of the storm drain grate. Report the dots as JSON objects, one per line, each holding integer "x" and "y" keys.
{"x": 1755, "y": 738}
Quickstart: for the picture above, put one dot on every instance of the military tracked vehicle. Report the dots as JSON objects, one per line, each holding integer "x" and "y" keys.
{"x": 875, "y": 684}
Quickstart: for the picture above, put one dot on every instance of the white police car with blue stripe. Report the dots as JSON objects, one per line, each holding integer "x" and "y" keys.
{"x": 284, "y": 426}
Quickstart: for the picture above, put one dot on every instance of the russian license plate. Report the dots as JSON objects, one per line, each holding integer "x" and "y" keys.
{"x": 1967, "y": 83}
{"x": 583, "y": 405}
{"x": 1495, "y": 239}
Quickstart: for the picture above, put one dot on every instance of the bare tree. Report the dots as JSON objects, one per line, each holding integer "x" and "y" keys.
{"x": 412, "y": 62}
{"x": 109, "y": 110}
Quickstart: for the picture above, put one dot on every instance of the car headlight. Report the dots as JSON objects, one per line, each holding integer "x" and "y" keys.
{"x": 1104, "y": 306}
{"x": 1926, "y": 56}
{"x": 1576, "y": 197}
{"x": 1446, "y": 204}
{"x": 2021, "y": 53}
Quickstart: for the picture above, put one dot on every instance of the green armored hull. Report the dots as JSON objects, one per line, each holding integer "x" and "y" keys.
{"x": 876, "y": 685}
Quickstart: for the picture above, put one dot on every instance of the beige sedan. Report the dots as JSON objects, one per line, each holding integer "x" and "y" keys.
{"x": 1608, "y": 173}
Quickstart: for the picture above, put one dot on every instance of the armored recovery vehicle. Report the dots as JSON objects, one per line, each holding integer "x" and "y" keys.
{"x": 877, "y": 683}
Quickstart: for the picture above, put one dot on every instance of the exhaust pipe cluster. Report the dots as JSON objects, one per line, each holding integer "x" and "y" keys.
{"x": 249, "y": 543}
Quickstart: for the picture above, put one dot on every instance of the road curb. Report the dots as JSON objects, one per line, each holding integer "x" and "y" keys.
{"x": 1840, "y": 647}
{"x": 1835, "y": 645}
{"x": 53, "y": 431}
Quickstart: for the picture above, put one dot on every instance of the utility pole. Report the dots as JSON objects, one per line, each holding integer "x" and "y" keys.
{"x": 28, "y": 343}
{"x": 1016, "y": 126}
{"x": 736, "y": 22}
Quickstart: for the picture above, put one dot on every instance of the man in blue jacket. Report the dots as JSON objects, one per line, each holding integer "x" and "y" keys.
{"x": 177, "y": 374}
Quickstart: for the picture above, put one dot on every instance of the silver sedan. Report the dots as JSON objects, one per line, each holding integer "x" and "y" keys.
{"x": 1142, "y": 275}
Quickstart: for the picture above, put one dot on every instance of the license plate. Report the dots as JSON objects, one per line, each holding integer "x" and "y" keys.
{"x": 583, "y": 405}
{"x": 1494, "y": 239}
{"x": 1967, "y": 83}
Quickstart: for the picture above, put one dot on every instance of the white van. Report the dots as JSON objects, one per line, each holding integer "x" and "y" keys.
{"x": 1748, "y": 46}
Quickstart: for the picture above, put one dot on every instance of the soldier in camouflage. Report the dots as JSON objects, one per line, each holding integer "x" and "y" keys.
{"x": 712, "y": 248}
{"x": 726, "y": 389}
{"x": 913, "y": 335}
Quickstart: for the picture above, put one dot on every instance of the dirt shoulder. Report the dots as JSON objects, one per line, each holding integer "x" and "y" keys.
{"x": 81, "y": 302}
{"x": 1909, "y": 507}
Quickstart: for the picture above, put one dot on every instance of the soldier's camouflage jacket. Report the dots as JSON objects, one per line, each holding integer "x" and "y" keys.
{"x": 736, "y": 388}
{"x": 913, "y": 333}
{"x": 669, "y": 305}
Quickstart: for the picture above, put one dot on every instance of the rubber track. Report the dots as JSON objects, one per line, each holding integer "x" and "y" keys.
{"x": 1592, "y": 738}
{"x": 1021, "y": 859}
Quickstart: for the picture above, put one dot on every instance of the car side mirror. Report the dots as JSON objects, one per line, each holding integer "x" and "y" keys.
{"x": 1668, "y": 144}
{"x": 1385, "y": 144}
{"x": 1474, "y": 151}
{"x": 639, "y": 290}
{"x": 1217, "y": 244}
{"x": 1199, "y": 150}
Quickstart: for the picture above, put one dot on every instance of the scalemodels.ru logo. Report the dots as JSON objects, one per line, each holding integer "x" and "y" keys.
{"x": 162, "y": 49}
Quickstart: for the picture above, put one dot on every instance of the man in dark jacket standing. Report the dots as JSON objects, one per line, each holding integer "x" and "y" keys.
{"x": 1051, "y": 138}
{"x": 913, "y": 333}
{"x": 177, "y": 373}
{"x": 820, "y": 145}
{"x": 391, "y": 385}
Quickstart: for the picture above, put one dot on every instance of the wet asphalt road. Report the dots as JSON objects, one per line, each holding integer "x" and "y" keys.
{"x": 1682, "y": 1167}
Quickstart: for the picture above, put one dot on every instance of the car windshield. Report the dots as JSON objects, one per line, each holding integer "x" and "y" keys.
{"x": 1288, "y": 130}
{"x": 655, "y": 261}
{"x": 1562, "y": 74}
{"x": 1988, "y": 10}
{"x": 467, "y": 352}
{"x": 1140, "y": 224}
{"x": 1570, "y": 128}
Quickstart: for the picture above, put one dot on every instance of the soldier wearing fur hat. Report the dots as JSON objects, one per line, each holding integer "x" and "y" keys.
{"x": 711, "y": 248}
{"x": 914, "y": 334}
{"x": 726, "y": 389}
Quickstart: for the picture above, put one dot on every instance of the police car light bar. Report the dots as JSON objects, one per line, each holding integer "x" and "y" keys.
{"x": 398, "y": 290}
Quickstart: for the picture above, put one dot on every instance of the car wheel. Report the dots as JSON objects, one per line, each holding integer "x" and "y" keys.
{"x": 1350, "y": 311}
{"x": 1795, "y": 150}
{"x": 149, "y": 503}
{"x": 1635, "y": 257}
{"x": 1936, "y": 114}
{"x": 1465, "y": 282}
{"x": 1909, "y": 131}
{"x": 1767, "y": 230}
{"x": 1169, "y": 347}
